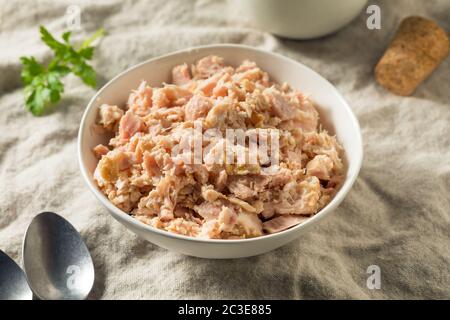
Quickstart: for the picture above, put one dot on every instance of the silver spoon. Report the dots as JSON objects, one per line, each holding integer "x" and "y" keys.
{"x": 57, "y": 263}
{"x": 13, "y": 282}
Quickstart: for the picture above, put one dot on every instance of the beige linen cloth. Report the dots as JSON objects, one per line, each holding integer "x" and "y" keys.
{"x": 397, "y": 216}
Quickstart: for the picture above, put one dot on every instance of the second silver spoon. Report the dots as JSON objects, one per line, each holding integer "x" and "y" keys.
{"x": 57, "y": 263}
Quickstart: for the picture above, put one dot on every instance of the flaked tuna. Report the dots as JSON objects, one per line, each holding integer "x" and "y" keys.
{"x": 151, "y": 170}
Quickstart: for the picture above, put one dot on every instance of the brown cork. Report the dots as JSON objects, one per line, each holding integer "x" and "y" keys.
{"x": 416, "y": 50}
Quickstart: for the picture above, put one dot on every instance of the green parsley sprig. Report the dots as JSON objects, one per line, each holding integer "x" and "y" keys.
{"x": 43, "y": 85}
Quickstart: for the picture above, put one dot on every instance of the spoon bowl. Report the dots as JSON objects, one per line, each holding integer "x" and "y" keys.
{"x": 13, "y": 282}
{"x": 57, "y": 262}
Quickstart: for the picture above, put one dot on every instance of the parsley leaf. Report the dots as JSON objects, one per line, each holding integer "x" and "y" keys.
{"x": 43, "y": 84}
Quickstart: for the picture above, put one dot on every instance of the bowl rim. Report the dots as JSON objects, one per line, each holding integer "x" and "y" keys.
{"x": 121, "y": 215}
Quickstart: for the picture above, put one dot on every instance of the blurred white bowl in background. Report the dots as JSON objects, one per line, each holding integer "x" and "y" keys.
{"x": 299, "y": 19}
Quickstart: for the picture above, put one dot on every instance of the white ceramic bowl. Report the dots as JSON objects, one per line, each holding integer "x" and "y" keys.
{"x": 335, "y": 113}
{"x": 300, "y": 19}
